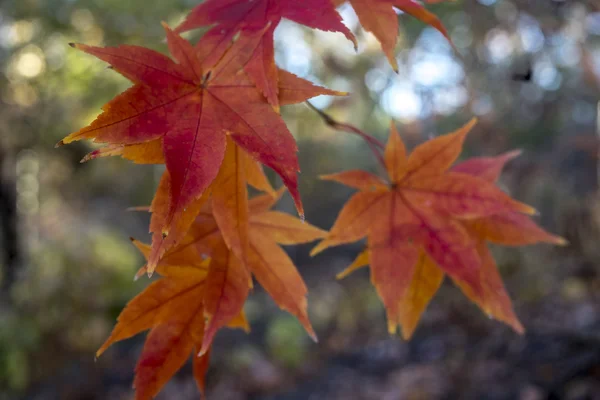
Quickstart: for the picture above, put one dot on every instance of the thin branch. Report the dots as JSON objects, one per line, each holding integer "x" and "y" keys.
{"x": 374, "y": 144}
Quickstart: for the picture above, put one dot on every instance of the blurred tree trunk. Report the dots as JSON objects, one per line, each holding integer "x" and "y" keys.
{"x": 8, "y": 225}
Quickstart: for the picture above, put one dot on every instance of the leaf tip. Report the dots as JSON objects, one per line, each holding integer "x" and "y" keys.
{"x": 139, "y": 273}
{"x": 341, "y": 275}
{"x": 526, "y": 209}
{"x": 392, "y": 326}
{"x": 531, "y": 211}
{"x": 301, "y": 214}
{"x": 513, "y": 154}
{"x": 406, "y": 333}
{"x": 339, "y": 93}
{"x": 309, "y": 329}
{"x": 206, "y": 341}
{"x": 560, "y": 241}
{"x": 150, "y": 267}
{"x": 472, "y": 122}
{"x": 318, "y": 248}
{"x": 101, "y": 350}
{"x": 59, "y": 144}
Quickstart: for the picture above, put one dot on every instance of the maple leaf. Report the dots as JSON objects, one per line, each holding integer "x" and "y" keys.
{"x": 228, "y": 281}
{"x": 419, "y": 208}
{"x": 172, "y": 308}
{"x": 198, "y": 295}
{"x": 245, "y": 18}
{"x": 379, "y": 18}
{"x": 266, "y": 260}
{"x": 192, "y": 108}
{"x": 428, "y": 276}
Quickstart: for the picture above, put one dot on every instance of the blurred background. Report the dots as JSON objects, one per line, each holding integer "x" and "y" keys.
{"x": 529, "y": 69}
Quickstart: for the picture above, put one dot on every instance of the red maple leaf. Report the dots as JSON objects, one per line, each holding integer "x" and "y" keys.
{"x": 245, "y": 18}
{"x": 191, "y": 108}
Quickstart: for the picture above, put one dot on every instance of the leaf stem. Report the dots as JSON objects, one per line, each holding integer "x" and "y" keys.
{"x": 374, "y": 144}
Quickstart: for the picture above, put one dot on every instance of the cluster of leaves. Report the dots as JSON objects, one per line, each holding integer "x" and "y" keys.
{"x": 211, "y": 115}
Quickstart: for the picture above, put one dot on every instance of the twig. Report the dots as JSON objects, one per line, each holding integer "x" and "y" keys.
{"x": 374, "y": 144}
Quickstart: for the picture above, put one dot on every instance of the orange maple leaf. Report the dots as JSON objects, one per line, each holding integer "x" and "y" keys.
{"x": 198, "y": 295}
{"x": 510, "y": 228}
{"x": 420, "y": 208}
{"x": 266, "y": 260}
{"x": 191, "y": 108}
{"x": 245, "y": 18}
{"x": 379, "y": 18}
{"x": 172, "y": 309}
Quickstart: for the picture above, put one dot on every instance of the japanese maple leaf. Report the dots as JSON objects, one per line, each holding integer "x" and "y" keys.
{"x": 243, "y": 17}
{"x": 254, "y": 246}
{"x": 192, "y": 108}
{"x": 266, "y": 260}
{"x": 509, "y": 228}
{"x": 292, "y": 90}
{"x": 196, "y": 296}
{"x": 379, "y": 18}
{"x": 418, "y": 209}
{"x": 173, "y": 309}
